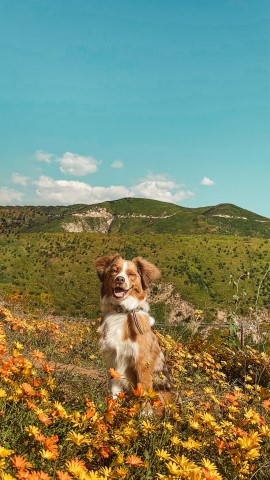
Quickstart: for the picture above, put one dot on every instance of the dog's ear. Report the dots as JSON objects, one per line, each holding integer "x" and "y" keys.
{"x": 103, "y": 263}
{"x": 147, "y": 271}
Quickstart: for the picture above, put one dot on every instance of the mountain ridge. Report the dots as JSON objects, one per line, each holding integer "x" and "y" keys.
{"x": 134, "y": 215}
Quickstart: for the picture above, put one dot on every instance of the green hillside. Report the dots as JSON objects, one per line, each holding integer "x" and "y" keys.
{"x": 135, "y": 216}
{"x": 55, "y": 271}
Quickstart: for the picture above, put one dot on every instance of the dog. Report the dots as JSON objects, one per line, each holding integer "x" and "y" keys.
{"x": 126, "y": 340}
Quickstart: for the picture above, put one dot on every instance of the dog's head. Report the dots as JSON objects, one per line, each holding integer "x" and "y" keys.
{"x": 125, "y": 282}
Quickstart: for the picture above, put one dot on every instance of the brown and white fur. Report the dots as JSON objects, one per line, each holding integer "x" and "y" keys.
{"x": 136, "y": 356}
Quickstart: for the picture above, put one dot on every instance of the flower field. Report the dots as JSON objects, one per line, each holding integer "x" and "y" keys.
{"x": 57, "y": 423}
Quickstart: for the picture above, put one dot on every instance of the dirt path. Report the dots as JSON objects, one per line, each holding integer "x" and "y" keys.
{"x": 69, "y": 367}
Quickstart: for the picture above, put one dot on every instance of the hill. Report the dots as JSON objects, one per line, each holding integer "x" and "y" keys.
{"x": 135, "y": 216}
{"x": 55, "y": 271}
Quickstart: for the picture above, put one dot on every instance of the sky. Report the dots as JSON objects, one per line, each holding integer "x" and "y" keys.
{"x": 103, "y": 99}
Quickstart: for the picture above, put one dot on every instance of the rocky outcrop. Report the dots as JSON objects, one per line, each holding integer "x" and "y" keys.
{"x": 179, "y": 310}
{"x": 100, "y": 221}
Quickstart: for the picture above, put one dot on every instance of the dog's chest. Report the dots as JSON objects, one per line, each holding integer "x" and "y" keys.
{"x": 113, "y": 337}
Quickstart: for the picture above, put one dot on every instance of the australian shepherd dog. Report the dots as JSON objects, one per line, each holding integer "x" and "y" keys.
{"x": 126, "y": 339}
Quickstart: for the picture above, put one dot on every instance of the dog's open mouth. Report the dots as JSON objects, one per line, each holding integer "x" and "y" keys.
{"x": 120, "y": 292}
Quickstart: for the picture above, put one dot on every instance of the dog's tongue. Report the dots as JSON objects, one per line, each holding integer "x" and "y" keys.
{"x": 119, "y": 292}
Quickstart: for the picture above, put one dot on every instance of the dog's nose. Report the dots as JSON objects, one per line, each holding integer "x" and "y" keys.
{"x": 120, "y": 280}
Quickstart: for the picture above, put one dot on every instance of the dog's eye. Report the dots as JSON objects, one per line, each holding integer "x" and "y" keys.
{"x": 132, "y": 275}
{"x": 114, "y": 270}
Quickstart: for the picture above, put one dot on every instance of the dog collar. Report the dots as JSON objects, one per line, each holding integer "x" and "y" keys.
{"x": 122, "y": 309}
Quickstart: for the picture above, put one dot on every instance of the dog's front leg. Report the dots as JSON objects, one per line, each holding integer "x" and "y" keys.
{"x": 144, "y": 373}
{"x": 115, "y": 387}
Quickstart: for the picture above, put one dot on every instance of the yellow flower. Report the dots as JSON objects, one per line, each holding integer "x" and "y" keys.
{"x": 77, "y": 438}
{"x": 5, "y": 452}
{"x": 175, "y": 440}
{"x": 253, "y": 453}
{"x": 47, "y": 455}
{"x": 173, "y": 468}
{"x": 168, "y": 426}
{"x": 2, "y": 393}
{"x": 60, "y": 410}
{"x": 208, "y": 390}
{"x": 32, "y": 430}
{"x": 211, "y": 468}
{"x": 194, "y": 424}
{"x": 252, "y": 416}
{"x": 121, "y": 472}
{"x": 7, "y": 476}
{"x": 163, "y": 454}
{"x": 76, "y": 467}
{"x": 191, "y": 444}
{"x": 129, "y": 433}
{"x": 208, "y": 418}
{"x": 148, "y": 427}
{"x": 265, "y": 430}
{"x": 247, "y": 443}
{"x": 18, "y": 345}
{"x": 106, "y": 472}
{"x": 119, "y": 459}
{"x": 90, "y": 476}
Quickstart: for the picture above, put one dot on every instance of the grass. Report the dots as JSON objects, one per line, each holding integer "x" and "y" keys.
{"x": 57, "y": 423}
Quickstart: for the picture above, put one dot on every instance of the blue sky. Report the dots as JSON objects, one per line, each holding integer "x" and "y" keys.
{"x": 160, "y": 99}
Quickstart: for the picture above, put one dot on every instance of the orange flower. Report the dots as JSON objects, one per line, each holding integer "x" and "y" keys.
{"x": 37, "y": 355}
{"x": 137, "y": 391}
{"x": 44, "y": 418}
{"x": 111, "y": 413}
{"x": 266, "y": 404}
{"x": 114, "y": 373}
{"x": 232, "y": 398}
{"x": 63, "y": 475}
{"x": 19, "y": 462}
{"x": 220, "y": 444}
{"x": 121, "y": 395}
{"x": 28, "y": 389}
{"x": 39, "y": 476}
{"x": 134, "y": 461}
{"x": 50, "y": 444}
{"x": 40, "y": 437}
{"x": 31, "y": 405}
{"x": 105, "y": 451}
{"x": 23, "y": 474}
{"x": 48, "y": 368}
{"x": 36, "y": 382}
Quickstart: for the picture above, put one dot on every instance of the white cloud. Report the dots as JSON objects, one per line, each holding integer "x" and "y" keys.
{"x": 20, "y": 179}
{"x": 43, "y": 156}
{"x": 117, "y": 164}
{"x": 66, "y": 192}
{"x": 207, "y": 182}
{"x": 159, "y": 187}
{"x": 78, "y": 165}
{"x": 8, "y": 196}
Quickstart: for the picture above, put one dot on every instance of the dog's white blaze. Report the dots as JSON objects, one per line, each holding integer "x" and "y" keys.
{"x": 124, "y": 275}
